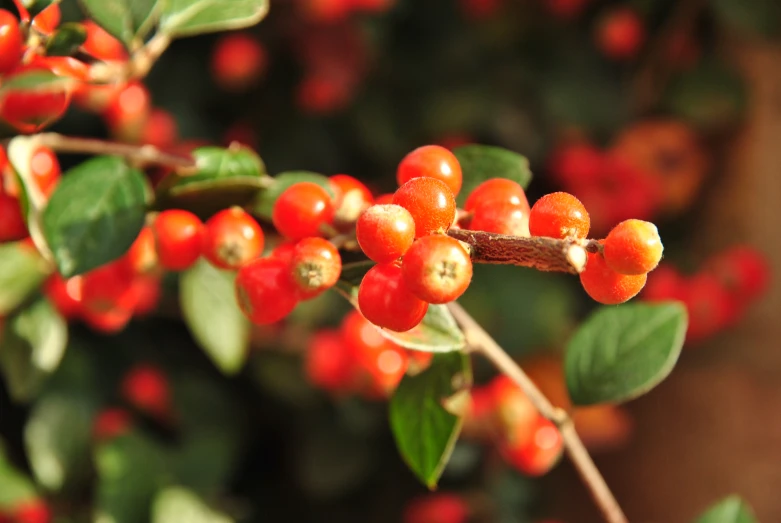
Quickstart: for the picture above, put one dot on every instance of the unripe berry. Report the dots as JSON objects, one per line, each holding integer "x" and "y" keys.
{"x": 497, "y": 191}
{"x": 559, "y": 215}
{"x": 431, "y": 161}
{"x": 178, "y": 238}
{"x": 633, "y": 247}
{"x": 607, "y": 286}
{"x": 437, "y": 269}
{"x": 10, "y": 42}
{"x": 238, "y": 61}
{"x": 146, "y": 388}
{"x": 264, "y": 291}
{"x": 430, "y": 202}
{"x": 501, "y": 217}
{"x": 315, "y": 267}
{"x": 232, "y": 238}
{"x": 385, "y": 299}
{"x": 385, "y": 232}
{"x": 12, "y": 225}
{"x": 302, "y": 210}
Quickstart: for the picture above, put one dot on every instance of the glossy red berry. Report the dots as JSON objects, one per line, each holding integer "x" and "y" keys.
{"x": 533, "y": 449}
{"x": 430, "y": 202}
{"x": 383, "y": 199}
{"x": 30, "y": 111}
{"x": 232, "y": 238}
{"x": 302, "y": 210}
{"x": 497, "y": 191}
{"x": 127, "y": 113}
{"x": 385, "y": 232}
{"x": 328, "y": 363}
{"x": 160, "y": 129}
{"x": 620, "y": 34}
{"x": 101, "y": 45}
{"x": 576, "y": 165}
{"x": 145, "y": 387}
{"x": 283, "y": 251}
{"x": 315, "y": 267}
{"x": 111, "y": 423}
{"x": 381, "y": 359}
{"x": 141, "y": 258}
{"x": 437, "y": 269}
{"x": 107, "y": 321}
{"x": 178, "y": 238}
{"x": 352, "y": 197}
{"x": 501, "y": 218}
{"x": 109, "y": 288}
{"x": 32, "y": 511}
{"x": 12, "y": 224}
{"x": 559, "y": 215}
{"x": 436, "y": 508}
{"x": 47, "y": 20}
{"x": 431, "y": 161}
{"x": 45, "y": 169}
{"x": 607, "y": 286}
{"x": 10, "y": 42}
{"x": 238, "y": 61}
{"x": 264, "y": 290}
{"x": 65, "y": 295}
{"x": 386, "y": 300}
{"x": 633, "y": 247}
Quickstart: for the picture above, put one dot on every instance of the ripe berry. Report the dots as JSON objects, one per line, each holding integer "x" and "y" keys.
{"x": 436, "y": 508}
{"x": 533, "y": 449}
{"x": 559, "y": 215}
{"x": 430, "y": 202}
{"x": 381, "y": 359}
{"x": 12, "y": 224}
{"x": 328, "y": 362}
{"x": 633, "y": 247}
{"x": 321, "y": 93}
{"x": 602, "y": 427}
{"x": 385, "y": 299}
{"x": 10, "y": 42}
{"x": 45, "y": 169}
{"x": 284, "y": 251}
{"x": 437, "y": 269}
{"x": 160, "y": 129}
{"x": 513, "y": 406}
{"x": 32, "y": 110}
{"x": 147, "y": 288}
{"x": 101, "y": 45}
{"x": 109, "y": 287}
{"x": 107, "y": 321}
{"x": 383, "y": 199}
{"x": 744, "y": 271}
{"x": 385, "y": 232}
{"x": 497, "y": 191}
{"x": 178, "y": 238}
{"x": 146, "y": 388}
{"x": 607, "y": 286}
{"x": 315, "y": 267}
{"x": 238, "y": 61}
{"x": 352, "y": 198}
{"x": 141, "y": 258}
{"x": 65, "y": 295}
{"x": 575, "y": 165}
{"x": 302, "y": 210}
{"x": 501, "y": 218}
{"x": 431, "y": 161}
{"x": 664, "y": 283}
{"x": 111, "y": 423}
{"x": 128, "y": 112}
{"x": 264, "y": 290}
{"x": 620, "y": 34}
{"x": 710, "y": 307}
{"x": 32, "y": 511}
{"x": 232, "y": 238}
{"x": 47, "y": 20}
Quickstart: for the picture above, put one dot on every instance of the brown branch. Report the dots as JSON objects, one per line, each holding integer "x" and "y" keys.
{"x": 544, "y": 254}
{"x": 480, "y": 341}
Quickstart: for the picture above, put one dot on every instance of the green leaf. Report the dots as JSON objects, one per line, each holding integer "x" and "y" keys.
{"x": 67, "y": 40}
{"x": 22, "y": 271}
{"x": 353, "y": 273}
{"x": 38, "y": 81}
{"x": 482, "y": 162}
{"x": 425, "y": 431}
{"x": 264, "y": 204}
{"x": 128, "y": 20}
{"x": 622, "y": 352}
{"x": 57, "y": 439}
{"x": 178, "y": 505}
{"x": 32, "y": 347}
{"x": 731, "y": 509}
{"x": 192, "y": 17}
{"x": 95, "y": 214}
{"x": 750, "y": 17}
{"x": 210, "y": 310}
{"x": 17, "y": 487}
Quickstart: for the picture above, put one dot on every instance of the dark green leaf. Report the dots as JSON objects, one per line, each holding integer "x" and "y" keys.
{"x": 32, "y": 347}
{"x": 22, "y": 271}
{"x": 128, "y": 20}
{"x": 192, "y": 17}
{"x": 353, "y": 273}
{"x": 16, "y": 486}
{"x": 751, "y": 17}
{"x": 67, "y": 40}
{"x": 178, "y": 505}
{"x": 622, "y": 352}
{"x": 36, "y": 6}
{"x": 208, "y": 300}
{"x": 206, "y": 459}
{"x": 95, "y": 214}
{"x": 425, "y": 431}
{"x": 264, "y": 204}
{"x": 731, "y": 509}
{"x": 482, "y": 162}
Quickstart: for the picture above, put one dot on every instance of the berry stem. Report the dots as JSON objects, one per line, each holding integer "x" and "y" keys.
{"x": 480, "y": 341}
{"x": 138, "y": 66}
{"x": 544, "y": 254}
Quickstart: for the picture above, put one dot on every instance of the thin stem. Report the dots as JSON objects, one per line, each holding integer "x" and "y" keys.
{"x": 480, "y": 341}
{"x": 138, "y": 66}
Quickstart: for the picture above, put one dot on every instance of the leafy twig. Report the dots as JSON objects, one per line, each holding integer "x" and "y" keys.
{"x": 138, "y": 66}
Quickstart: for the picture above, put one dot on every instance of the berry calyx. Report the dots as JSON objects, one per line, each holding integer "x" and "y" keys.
{"x": 431, "y": 161}
{"x": 385, "y": 299}
{"x": 178, "y": 238}
{"x": 302, "y": 210}
{"x": 559, "y": 215}
{"x": 607, "y": 286}
{"x": 437, "y": 269}
{"x": 264, "y": 290}
{"x": 496, "y": 191}
{"x": 385, "y": 232}
{"x": 10, "y": 42}
{"x": 633, "y": 247}
{"x": 315, "y": 267}
{"x": 430, "y": 202}
{"x": 232, "y": 238}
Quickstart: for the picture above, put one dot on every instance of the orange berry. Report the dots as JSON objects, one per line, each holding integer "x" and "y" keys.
{"x": 633, "y": 247}
{"x": 559, "y": 215}
{"x": 607, "y": 286}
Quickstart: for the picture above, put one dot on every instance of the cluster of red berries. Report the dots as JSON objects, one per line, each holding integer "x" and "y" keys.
{"x": 717, "y": 296}
{"x": 27, "y": 511}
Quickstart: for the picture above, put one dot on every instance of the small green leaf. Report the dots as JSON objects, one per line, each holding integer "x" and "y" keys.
{"x": 750, "y": 17}
{"x": 95, "y": 214}
{"x": 210, "y": 310}
{"x": 425, "y": 431}
{"x": 264, "y": 204}
{"x": 128, "y": 20}
{"x": 32, "y": 347}
{"x": 17, "y": 487}
{"x": 731, "y": 509}
{"x": 38, "y": 81}
{"x": 22, "y": 271}
{"x": 178, "y": 505}
{"x": 192, "y": 17}
{"x": 620, "y": 353}
{"x": 67, "y": 40}
{"x": 482, "y": 162}
{"x": 34, "y": 7}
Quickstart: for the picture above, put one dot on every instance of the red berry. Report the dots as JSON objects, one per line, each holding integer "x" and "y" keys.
{"x": 264, "y": 290}
{"x": 664, "y": 283}
{"x": 108, "y": 288}
{"x": 10, "y": 42}
{"x": 178, "y": 238}
{"x": 744, "y": 271}
{"x": 385, "y": 299}
{"x": 128, "y": 112}
{"x": 513, "y": 406}
{"x": 34, "y": 511}
{"x": 436, "y": 508}
{"x": 533, "y": 449}
{"x": 101, "y": 45}
{"x": 315, "y": 267}
{"x": 607, "y": 286}
{"x": 633, "y": 247}
{"x": 559, "y": 215}
{"x": 47, "y": 20}
{"x": 710, "y": 306}
{"x": 45, "y": 169}
{"x": 30, "y": 111}
{"x": 142, "y": 256}
{"x": 385, "y": 232}
{"x": 238, "y": 61}
{"x": 352, "y": 198}
{"x": 328, "y": 363}
{"x": 107, "y": 321}
{"x": 430, "y": 202}
{"x": 111, "y": 423}
{"x": 146, "y": 388}
{"x": 232, "y": 238}
{"x": 501, "y": 218}
{"x": 321, "y": 93}
{"x": 383, "y": 199}
{"x": 437, "y": 269}
{"x": 160, "y": 129}
{"x": 620, "y": 34}
{"x": 302, "y": 210}
{"x": 147, "y": 289}
{"x": 566, "y": 8}
{"x": 65, "y": 295}
{"x": 284, "y": 251}
{"x": 431, "y": 161}
{"x": 576, "y": 165}
{"x": 497, "y": 191}
{"x": 12, "y": 224}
